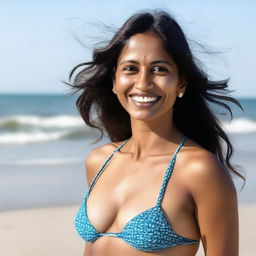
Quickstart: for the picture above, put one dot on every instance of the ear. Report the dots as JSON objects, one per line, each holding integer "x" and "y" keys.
{"x": 113, "y": 88}
{"x": 182, "y": 85}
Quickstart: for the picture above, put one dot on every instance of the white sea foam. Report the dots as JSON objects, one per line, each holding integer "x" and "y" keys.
{"x": 68, "y": 127}
{"x": 29, "y": 137}
{"x": 61, "y": 121}
{"x": 44, "y": 161}
{"x": 22, "y": 129}
{"x": 240, "y": 125}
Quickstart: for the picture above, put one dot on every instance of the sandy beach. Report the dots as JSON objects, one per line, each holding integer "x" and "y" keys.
{"x": 50, "y": 231}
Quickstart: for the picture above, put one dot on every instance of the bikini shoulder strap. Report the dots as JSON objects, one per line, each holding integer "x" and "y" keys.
{"x": 169, "y": 171}
{"x": 103, "y": 166}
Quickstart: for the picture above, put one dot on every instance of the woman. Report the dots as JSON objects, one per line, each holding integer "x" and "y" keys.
{"x": 163, "y": 183}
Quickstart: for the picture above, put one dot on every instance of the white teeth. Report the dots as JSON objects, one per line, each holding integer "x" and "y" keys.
{"x": 144, "y": 99}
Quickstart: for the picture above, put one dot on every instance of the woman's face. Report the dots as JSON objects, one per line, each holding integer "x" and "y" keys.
{"x": 146, "y": 79}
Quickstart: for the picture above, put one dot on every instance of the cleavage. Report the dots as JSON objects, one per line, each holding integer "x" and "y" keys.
{"x": 117, "y": 197}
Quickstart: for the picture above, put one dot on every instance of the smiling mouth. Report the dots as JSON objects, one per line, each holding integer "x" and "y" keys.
{"x": 144, "y": 98}
{"x": 144, "y": 101}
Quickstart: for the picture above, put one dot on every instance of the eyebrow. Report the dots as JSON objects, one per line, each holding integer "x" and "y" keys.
{"x": 152, "y": 62}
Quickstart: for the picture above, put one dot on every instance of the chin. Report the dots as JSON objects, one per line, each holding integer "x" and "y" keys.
{"x": 149, "y": 116}
{"x": 142, "y": 117}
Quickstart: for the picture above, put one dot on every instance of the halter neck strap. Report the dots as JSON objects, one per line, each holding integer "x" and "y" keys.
{"x": 103, "y": 166}
{"x": 169, "y": 171}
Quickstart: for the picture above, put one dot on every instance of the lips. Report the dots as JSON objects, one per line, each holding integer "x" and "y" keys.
{"x": 137, "y": 100}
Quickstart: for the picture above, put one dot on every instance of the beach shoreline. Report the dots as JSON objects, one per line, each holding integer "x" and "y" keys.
{"x": 50, "y": 231}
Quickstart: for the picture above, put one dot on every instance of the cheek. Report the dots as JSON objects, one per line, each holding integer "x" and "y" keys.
{"x": 123, "y": 82}
{"x": 167, "y": 83}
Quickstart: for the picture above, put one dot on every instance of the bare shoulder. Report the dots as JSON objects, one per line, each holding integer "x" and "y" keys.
{"x": 215, "y": 199}
{"x": 96, "y": 157}
{"x": 203, "y": 171}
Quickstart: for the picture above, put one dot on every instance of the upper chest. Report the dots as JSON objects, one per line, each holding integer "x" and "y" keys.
{"x": 125, "y": 189}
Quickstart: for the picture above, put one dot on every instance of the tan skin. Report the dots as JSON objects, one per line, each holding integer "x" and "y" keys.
{"x": 200, "y": 201}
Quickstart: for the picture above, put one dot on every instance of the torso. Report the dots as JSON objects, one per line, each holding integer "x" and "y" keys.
{"x": 127, "y": 187}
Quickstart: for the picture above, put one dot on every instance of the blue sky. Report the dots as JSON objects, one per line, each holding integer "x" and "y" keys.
{"x": 38, "y": 49}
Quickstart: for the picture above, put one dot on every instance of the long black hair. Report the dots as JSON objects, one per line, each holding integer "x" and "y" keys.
{"x": 192, "y": 114}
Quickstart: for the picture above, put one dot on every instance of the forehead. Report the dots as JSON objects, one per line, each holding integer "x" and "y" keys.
{"x": 146, "y": 46}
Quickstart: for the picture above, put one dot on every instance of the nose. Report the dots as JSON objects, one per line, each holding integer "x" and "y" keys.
{"x": 143, "y": 81}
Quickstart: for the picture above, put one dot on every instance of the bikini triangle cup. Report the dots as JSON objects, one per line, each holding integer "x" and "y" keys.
{"x": 147, "y": 231}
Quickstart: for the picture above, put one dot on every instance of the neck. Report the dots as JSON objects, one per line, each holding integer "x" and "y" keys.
{"x": 153, "y": 137}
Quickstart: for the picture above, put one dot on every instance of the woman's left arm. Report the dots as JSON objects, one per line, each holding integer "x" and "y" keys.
{"x": 215, "y": 198}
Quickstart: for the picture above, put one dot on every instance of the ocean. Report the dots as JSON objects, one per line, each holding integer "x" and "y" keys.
{"x": 43, "y": 144}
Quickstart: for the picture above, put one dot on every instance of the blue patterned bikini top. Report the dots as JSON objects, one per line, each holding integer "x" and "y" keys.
{"x": 148, "y": 231}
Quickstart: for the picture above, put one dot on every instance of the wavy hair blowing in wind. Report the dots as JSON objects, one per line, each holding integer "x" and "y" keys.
{"x": 192, "y": 114}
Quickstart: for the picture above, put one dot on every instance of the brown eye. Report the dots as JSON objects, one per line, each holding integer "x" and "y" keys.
{"x": 159, "y": 69}
{"x": 129, "y": 68}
